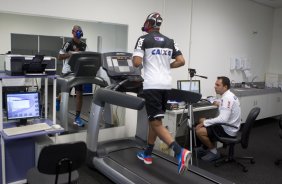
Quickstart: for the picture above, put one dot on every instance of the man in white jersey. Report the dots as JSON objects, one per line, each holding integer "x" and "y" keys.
{"x": 229, "y": 112}
{"x": 158, "y": 54}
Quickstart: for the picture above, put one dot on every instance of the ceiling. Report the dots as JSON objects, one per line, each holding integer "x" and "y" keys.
{"x": 271, "y": 3}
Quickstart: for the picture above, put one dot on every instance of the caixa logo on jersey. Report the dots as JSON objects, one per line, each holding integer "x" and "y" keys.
{"x": 166, "y": 52}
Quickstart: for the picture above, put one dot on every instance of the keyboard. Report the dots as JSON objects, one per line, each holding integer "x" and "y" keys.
{"x": 26, "y": 129}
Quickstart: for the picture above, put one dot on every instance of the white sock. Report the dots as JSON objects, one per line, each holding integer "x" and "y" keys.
{"x": 214, "y": 150}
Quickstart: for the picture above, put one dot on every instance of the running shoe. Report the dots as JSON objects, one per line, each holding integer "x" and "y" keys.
{"x": 209, "y": 157}
{"x": 146, "y": 158}
{"x": 78, "y": 121}
{"x": 183, "y": 160}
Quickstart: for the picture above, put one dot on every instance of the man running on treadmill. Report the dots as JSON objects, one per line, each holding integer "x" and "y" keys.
{"x": 74, "y": 45}
{"x": 156, "y": 52}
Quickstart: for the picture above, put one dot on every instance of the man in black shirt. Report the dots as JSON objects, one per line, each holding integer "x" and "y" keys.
{"x": 74, "y": 45}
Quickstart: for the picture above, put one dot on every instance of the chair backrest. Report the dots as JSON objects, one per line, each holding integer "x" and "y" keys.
{"x": 52, "y": 154}
{"x": 246, "y": 130}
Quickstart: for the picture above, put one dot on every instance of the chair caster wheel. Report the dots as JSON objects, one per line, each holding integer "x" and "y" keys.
{"x": 276, "y": 162}
{"x": 252, "y": 161}
{"x": 245, "y": 170}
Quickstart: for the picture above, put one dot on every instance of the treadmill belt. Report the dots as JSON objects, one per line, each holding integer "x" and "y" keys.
{"x": 161, "y": 171}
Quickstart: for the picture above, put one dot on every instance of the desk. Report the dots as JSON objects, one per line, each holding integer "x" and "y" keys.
{"x": 21, "y": 147}
{"x": 171, "y": 122}
{"x": 20, "y": 153}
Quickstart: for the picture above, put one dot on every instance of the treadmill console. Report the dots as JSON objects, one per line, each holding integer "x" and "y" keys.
{"x": 119, "y": 64}
{"x": 121, "y": 71}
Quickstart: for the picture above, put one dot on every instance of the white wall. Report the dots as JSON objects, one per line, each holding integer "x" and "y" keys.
{"x": 276, "y": 49}
{"x": 224, "y": 28}
{"x": 177, "y": 26}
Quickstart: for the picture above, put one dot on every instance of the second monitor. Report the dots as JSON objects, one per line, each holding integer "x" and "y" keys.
{"x": 22, "y": 106}
{"x": 189, "y": 85}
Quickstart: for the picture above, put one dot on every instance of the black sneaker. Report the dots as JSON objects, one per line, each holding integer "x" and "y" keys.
{"x": 209, "y": 157}
{"x": 200, "y": 151}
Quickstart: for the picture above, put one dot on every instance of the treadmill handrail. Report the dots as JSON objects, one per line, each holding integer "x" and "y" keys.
{"x": 66, "y": 83}
{"x": 103, "y": 95}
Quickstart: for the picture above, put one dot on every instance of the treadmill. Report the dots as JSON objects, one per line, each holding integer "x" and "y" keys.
{"x": 116, "y": 158}
{"x": 84, "y": 67}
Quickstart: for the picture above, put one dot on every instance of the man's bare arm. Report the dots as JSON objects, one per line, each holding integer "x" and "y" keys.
{"x": 137, "y": 61}
{"x": 178, "y": 62}
{"x": 63, "y": 56}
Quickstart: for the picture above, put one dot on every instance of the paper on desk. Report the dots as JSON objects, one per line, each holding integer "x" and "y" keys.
{"x": 212, "y": 99}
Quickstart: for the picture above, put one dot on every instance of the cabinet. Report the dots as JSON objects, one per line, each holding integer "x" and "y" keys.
{"x": 270, "y": 105}
{"x": 274, "y": 105}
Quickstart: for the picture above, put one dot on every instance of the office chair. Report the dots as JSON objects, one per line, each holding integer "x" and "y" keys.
{"x": 241, "y": 138}
{"x": 278, "y": 161}
{"x": 58, "y": 163}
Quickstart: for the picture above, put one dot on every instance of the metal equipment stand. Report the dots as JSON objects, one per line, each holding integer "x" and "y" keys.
{"x": 190, "y": 121}
{"x": 189, "y": 98}
{"x": 190, "y": 118}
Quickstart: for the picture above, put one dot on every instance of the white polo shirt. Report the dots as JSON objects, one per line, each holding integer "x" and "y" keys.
{"x": 229, "y": 112}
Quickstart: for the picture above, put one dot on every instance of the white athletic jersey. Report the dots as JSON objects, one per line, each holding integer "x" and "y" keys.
{"x": 71, "y": 46}
{"x": 229, "y": 112}
{"x": 157, "y": 52}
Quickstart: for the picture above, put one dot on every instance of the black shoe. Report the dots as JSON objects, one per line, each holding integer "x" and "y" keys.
{"x": 200, "y": 151}
{"x": 211, "y": 156}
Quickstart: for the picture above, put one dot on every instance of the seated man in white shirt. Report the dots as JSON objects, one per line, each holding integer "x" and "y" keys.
{"x": 229, "y": 112}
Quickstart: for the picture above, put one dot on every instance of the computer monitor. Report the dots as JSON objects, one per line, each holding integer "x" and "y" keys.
{"x": 22, "y": 106}
{"x": 187, "y": 85}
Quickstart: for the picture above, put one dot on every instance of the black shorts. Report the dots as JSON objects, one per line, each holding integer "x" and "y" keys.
{"x": 219, "y": 131}
{"x": 78, "y": 88}
{"x": 155, "y": 102}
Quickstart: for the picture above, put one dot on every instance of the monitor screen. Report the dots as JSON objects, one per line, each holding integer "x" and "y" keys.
{"x": 22, "y": 105}
{"x": 187, "y": 85}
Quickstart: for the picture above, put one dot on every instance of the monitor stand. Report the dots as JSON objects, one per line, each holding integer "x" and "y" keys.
{"x": 22, "y": 122}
